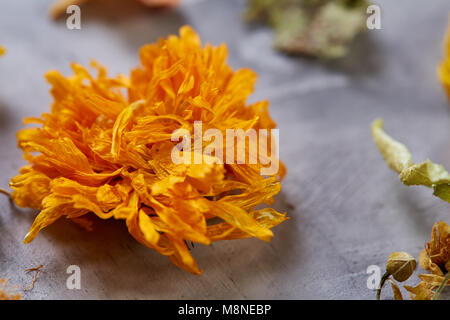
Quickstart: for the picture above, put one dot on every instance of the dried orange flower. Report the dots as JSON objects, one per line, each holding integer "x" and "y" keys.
{"x": 437, "y": 251}
{"x": 60, "y": 6}
{"x": 436, "y": 259}
{"x": 444, "y": 67}
{"x": 105, "y": 147}
{"x": 7, "y": 292}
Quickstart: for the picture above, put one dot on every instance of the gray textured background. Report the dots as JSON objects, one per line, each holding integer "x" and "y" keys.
{"x": 348, "y": 209}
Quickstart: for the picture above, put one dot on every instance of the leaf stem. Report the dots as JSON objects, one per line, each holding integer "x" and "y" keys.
{"x": 386, "y": 275}
{"x": 442, "y": 286}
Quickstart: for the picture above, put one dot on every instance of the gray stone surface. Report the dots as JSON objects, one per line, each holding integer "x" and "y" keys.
{"x": 348, "y": 209}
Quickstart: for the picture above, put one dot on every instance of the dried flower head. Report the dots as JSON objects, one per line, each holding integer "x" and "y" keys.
{"x": 401, "y": 265}
{"x": 437, "y": 251}
{"x": 7, "y": 292}
{"x": 444, "y": 67}
{"x": 435, "y": 258}
{"x": 105, "y": 147}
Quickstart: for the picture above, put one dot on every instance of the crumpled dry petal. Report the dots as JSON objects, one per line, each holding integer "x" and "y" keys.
{"x": 438, "y": 249}
{"x": 423, "y": 291}
{"x": 105, "y": 149}
{"x": 396, "y": 290}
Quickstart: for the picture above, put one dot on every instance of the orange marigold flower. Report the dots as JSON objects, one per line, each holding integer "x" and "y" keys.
{"x": 105, "y": 147}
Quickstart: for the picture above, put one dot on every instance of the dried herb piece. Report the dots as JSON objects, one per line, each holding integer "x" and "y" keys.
{"x": 36, "y": 271}
{"x": 105, "y": 147}
{"x": 400, "y": 266}
{"x": 320, "y": 28}
{"x": 398, "y": 159}
{"x": 444, "y": 67}
{"x": 435, "y": 258}
{"x": 6, "y": 193}
{"x": 437, "y": 251}
{"x": 60, "y": 6}
{"x": 397, "y": 293}
{"x": 445, "y": 282}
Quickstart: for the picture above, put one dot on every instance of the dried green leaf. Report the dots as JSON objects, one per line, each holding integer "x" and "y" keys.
{"x": 398, "y": 158}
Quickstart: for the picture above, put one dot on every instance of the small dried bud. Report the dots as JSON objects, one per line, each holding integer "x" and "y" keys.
{"x": 401, "y": 265}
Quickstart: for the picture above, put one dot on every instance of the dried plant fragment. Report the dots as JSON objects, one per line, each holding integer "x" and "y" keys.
{"x": 444, "y": 67}
{"x": 400, "y": 266}
{"x": 7, "y": 292}
{"x": 435, "y": 258}
{"x": 322, "y": 28}
{"x": 436, "y": 255}
{"x": 105, "y": 148}
{"x": 397, "y": 293}
{"x": 6, "y": 193}
{"x": 398, "y": 159}
{"x": 60, "y": 6}
{"x": 36, "y": 271}
{"x": 437, "y": 251}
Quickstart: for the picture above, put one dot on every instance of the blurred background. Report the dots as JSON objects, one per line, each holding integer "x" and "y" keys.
{"x": 348, "y": 210}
